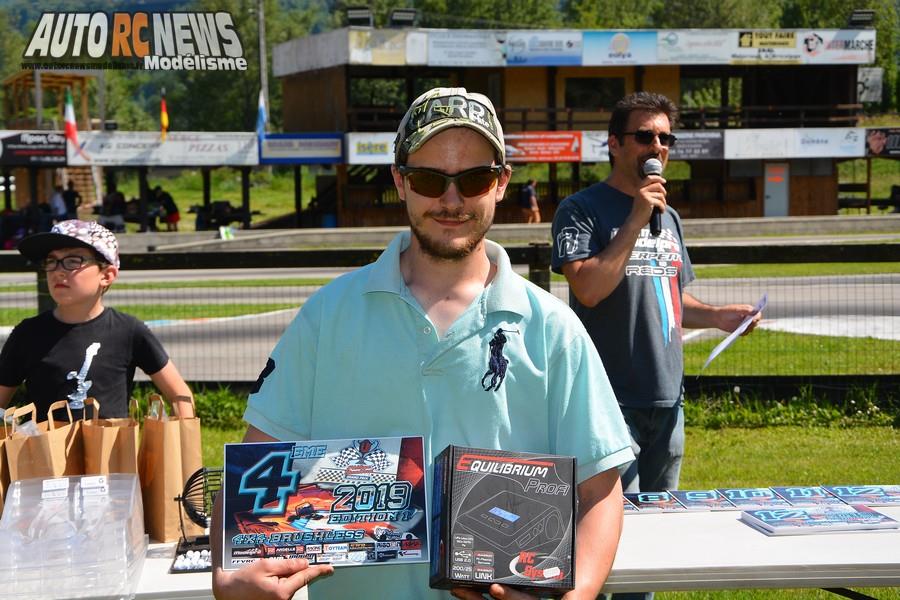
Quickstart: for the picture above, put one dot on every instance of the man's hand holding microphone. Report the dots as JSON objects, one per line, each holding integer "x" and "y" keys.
{"x": 654, "y": 192}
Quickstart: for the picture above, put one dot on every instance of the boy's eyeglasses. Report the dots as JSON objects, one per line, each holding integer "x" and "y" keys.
{"x": 645, "y": 137}
{"x": 433, "y": 184}
{"x": 69, "y": 263}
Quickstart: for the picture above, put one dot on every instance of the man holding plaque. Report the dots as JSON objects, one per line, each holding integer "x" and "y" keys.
{"x": 440, "y": 338}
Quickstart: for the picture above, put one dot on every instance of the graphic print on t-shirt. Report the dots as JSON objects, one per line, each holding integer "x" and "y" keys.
{"x": 77, "y": 398}
{"x": 660, "y": 259}
{"x": 573, "y": 239}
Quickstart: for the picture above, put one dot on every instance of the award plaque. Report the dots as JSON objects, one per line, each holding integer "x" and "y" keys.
{"x": 343, "y": 502}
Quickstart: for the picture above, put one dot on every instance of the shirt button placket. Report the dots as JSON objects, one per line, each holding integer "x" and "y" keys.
{"x": 426, "y": 347}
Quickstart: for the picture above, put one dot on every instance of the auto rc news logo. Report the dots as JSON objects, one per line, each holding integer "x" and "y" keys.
{"x": 189, "y": 41}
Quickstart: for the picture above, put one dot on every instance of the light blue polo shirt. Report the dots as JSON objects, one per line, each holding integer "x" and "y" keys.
{"x": 362, "y": 359}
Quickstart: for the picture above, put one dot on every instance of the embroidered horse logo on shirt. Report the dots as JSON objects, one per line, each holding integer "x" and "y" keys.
{"x": 497, "y": 363}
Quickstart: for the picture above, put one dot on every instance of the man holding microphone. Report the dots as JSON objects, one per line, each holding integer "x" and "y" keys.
{"x": 627, "y": 277}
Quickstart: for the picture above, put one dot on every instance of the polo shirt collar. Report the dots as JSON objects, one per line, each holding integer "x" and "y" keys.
{"x": 507, "y": 292}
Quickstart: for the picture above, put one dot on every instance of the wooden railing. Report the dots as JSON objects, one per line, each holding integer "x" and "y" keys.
{"x": 376, "y": 118}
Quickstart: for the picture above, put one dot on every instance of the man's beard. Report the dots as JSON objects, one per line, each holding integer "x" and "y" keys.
{"x": 441, "y": 249}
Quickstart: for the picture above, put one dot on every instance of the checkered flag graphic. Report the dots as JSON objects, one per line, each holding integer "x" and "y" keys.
{"x": 339, "y": 476}
{"x": 330, "y": 475}
{"x": 383, "y": 478}
{"x": 378, "y": 459}
{"x": 346, "y": 456}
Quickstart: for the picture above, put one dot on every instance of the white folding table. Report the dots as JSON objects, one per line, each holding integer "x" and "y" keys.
{"x": 715, "y": 550}
{"x": 676, "y": 551}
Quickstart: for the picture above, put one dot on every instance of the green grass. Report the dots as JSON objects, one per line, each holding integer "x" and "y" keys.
{"x": 790, "y": 456}
{"x": 214, "y": 438}
{"x": 746, "y": 457}
{"x": 271, "y": 190}
{"x": 794, "y": 270}
{"x": 226, "y": 283}
{"x": 185, "y": 285}
{"x": 152, "y": 312}
{"x": 778, "y": 353}
{"x": 784, "y": 270}
{"x": 885, "y": 173}
{"x": 148, "y": 312}
{"x": 858, "y": 406}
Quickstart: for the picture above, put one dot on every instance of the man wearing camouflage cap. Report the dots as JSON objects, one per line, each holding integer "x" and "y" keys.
{"x": 440, "y": 338}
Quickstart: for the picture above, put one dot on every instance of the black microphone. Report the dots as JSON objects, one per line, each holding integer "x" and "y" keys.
{"x": 654, "y": 167}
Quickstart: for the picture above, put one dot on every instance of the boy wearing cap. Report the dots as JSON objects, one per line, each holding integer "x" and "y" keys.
{"x": 441, "y": 338}
{"x": 82, "y": 348}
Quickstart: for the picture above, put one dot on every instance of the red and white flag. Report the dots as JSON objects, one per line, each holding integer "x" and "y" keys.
{"x": 72, "y": 125}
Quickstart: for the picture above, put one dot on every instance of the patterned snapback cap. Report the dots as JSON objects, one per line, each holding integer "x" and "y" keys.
{"x": 441, "y": 108}
{"x": 72, "y": 234}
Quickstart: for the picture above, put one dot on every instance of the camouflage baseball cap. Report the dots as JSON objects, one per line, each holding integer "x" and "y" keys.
{"x": 72, "y": 234}
{"x": 441, "y": 108}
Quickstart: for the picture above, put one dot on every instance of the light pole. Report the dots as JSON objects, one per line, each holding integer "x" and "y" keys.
{"x": 263, "y": 70}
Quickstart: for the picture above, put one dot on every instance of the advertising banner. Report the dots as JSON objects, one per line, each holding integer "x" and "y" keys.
{"x": 32, "y": 148}
{"x": 416, "y": 48}
{"x": 828, "y": 142}
{"x": 466, "y": 48}
{"x": 370, "y": 148}
{"x": 883, "y": 142}
{"x": 302, "y": 148}
{"x": 774, "y": 47}
{"x": 758, "y": 143}
{"x": 531, "y": 48}
{"x": 869, "y": 84}
{"x": 695, "y": 46}
{"x": 377, "y": 47}
{"x": 845, "y": 46}
{"x": 594, "y": 146}
{"x": 813, "y": 142}
{"x": 698, "y": 145}
{"x": 619, "y": 48}
{"x": 181, "y": 149}
{"x": 786, "y": 46}
{"x": 543, "y": 146}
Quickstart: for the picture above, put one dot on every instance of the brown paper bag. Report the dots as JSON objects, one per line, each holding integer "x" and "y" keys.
{"x": 110, "y": 445}
{"x": 4, "y": 465}
{"x": 170, "y": 452}
{"x": 57, "y": 450}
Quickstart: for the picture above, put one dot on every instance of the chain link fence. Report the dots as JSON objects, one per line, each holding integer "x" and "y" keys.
{"x": 220, "y": 314}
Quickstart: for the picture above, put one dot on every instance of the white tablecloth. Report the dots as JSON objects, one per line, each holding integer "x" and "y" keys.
{"x": 675, "y": 551}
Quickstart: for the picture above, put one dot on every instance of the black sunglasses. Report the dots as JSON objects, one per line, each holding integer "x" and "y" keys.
{"x": 433, "y": 184}
{"x": 646, "y": 137}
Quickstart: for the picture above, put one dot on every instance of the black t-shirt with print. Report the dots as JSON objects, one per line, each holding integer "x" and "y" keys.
{"x": 59, "y": 361}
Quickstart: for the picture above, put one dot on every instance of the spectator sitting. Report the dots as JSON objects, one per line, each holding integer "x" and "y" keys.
{"x": 113, "y": 210}
{"x": 168, "y": 209}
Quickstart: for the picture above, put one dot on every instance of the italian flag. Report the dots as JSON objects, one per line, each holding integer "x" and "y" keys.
{"x": 72, "y": 125}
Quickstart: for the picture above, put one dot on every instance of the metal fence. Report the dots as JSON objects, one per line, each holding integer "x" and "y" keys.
{"x": 220, "y": 313}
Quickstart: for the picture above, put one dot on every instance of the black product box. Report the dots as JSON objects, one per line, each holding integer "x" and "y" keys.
{"x": 503, "y": 517}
